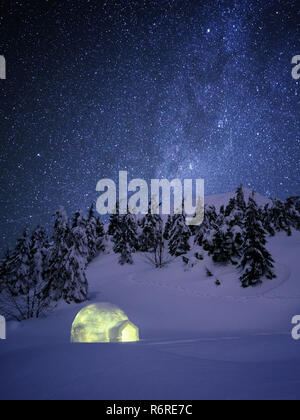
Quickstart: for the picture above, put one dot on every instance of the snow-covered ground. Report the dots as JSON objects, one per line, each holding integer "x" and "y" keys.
{"x": 198, "y": 341}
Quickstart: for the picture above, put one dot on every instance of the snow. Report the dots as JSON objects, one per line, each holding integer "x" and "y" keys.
{"x": 198, "y": 341}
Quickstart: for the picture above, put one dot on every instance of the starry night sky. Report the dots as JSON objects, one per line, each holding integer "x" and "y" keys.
{"x": 161, "y": 88}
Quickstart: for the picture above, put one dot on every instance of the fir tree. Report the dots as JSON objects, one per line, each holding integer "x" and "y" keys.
{"x": 230, "y": 207}
{"x": 32, "y": 302}
{"x": 256, "y": 261}
{"x": 279, "y": 217}
{"x": 75, "y": 285}
{"x": 240, "y": 199}
{"x": 204, "y": 231}
{"x": 100, "y": 235}
{"x": 235, "y": 240}
{"x": 114, "y": 221}
{"x": 122, "y": 244}
{"x": 95, "y": 234}
{"x": 4, "y": 271}
{"x": 293, "y": 212}
{"x": 125, "y": 238}
{"x": 125, "y": 251}
{"x": 179, "y": 236}
{"x": 79, "y": 237}
{"x": 212, "y": 215}
{"x": 266, "y": 218}
{"x": 201, "y": 230}
{"x": 91, "y": 233}
{"x": 167, "y": 229}
{"x": 297, "y": 206}
{"x": 117, "y": 237}
{"x": 38, "y": 252}
{"x": 159, "y": 248}
{"x": 131, "y": 227}
{"x": 68, "y": 259}
{"x": 148, "y": 238}
{"x": 19, "y": 266}
{"x": 56, "y": 257}
{"x": 235, "y": 211}
{"x": 221, "y": 248}
{"x": 208, "y": 240}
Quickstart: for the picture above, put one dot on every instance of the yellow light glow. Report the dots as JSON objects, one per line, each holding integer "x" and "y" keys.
{"x": 103, "y": 323}
{"x": 129, "y": 334}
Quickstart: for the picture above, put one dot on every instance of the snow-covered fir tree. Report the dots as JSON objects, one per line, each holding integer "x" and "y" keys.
{"x": 68, "y": 257}
{"x": 280, "y": 218}
{"x": 56, "y": 256}
{"x": 230, "y": 207}
{"x": 75, "y": 287}
{"x": 211, "y": 214}
{"x": 79, "y": 236}
{"x": 4, "y": 271}
{"x": 34, "y": 302}
{"x": 159, "y": 249}
{"x": 147, "y": 237}
{"x": 266, "y": 218}
{"x": 224, "y": 243}
{"x": 221, "y": 246}
{"x": 179, "y": 236}
{"x": 91, "y": 233}
{"x": 130, "y": 225}
{"x": 125, "y": 251}
{"x": 204, "y": 232}
{"x": 125, "y": 238}
{"x": 19, "y": 266}
{"x": 150, "y": 225}
{"x": 218, "y": 240}
{"x": 297, "y": 206}
{"x": 100, "y": 235}
{"x": 240, "y": 199}
{"x": 114, "y": 221}
{"x": 292, "y": 212}
{"x": 235, "y": 211}
{"x": 208, "y": 240}
{"x": 235, "y": 239}
{"x": 256, "y": 261}
{"x": 201, "y": 230}
{"x": 95, "y": 234}
{"x": 158, "y": 243}
{"x": 208, "y": 236}
{"x": 38, "y": 252}
{"x": 121, "y": 243}
{"x": 31, "y": 301}
{"x": 167, "y": 228}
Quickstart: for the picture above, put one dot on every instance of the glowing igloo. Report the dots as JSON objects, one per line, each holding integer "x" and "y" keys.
{"x": 103, "y": 323}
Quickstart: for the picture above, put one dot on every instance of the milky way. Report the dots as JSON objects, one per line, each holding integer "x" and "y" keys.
{"x": 161, "y": 88}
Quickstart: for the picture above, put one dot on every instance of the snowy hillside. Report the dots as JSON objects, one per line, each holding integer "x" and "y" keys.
{"x": 198, "y": 340}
